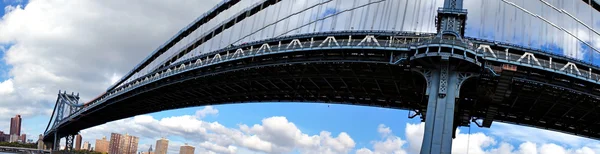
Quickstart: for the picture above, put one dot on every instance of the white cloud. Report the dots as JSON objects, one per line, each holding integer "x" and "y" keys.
{"x": 473, "y": 143}
{"x": 6, "y": 87}
{"x": 414, "y": 135}
{"x": 527, "y": 148}
{"x": 480, "y": 143}
{"x": 81, "y": 46}
{"x": 383, "y": 130}
{"x": 218, "y": 148}
{"x": 208, "y": 110}
{"x": 9, "y": 8}
{"x": 273, "y": 135}
{"x": 510, "y": 132}
{"x": 388, "y": 144}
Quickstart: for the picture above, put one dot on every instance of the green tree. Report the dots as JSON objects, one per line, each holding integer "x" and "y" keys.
{"x": 19, "y": 145}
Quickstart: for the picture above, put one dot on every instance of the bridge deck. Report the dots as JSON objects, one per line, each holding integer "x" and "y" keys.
{"x": 365, "y": 75}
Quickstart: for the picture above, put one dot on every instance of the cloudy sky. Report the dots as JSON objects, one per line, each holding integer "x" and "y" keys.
{"x": 85, "y": 45}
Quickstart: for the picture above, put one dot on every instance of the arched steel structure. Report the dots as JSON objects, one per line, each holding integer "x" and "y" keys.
{"x": 239, "y": 52}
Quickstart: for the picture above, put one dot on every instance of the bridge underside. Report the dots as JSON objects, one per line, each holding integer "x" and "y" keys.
{"x": 358, "y": 77}
{"x": 548, "y": 101}
{"x": 361, "y": 77}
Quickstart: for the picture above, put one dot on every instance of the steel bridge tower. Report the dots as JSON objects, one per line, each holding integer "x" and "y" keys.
{"x": 66, "y": 105}
{"x": 444, "y": 83}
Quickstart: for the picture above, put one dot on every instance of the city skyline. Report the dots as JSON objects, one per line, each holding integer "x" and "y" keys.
{"x": 50, "y": 43}
{"x": 14, "y": 134}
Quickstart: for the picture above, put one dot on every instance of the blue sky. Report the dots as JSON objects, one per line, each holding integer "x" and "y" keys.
{"x": 3, "y": 66}
{"x": 360, "y": 123}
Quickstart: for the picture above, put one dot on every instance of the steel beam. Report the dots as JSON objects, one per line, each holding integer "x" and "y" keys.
{"x": 69, "y": 142}
{"x": 439, "y": 123}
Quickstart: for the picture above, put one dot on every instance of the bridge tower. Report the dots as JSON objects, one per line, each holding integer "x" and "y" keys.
{"x": 66, "y": 104}
{"x": 444, "y": 83}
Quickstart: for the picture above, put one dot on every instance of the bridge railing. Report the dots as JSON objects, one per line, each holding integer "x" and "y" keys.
{"x": 297, "y": 44}
{"x": 549, "y": 62}
{"x": 307, "y": 42}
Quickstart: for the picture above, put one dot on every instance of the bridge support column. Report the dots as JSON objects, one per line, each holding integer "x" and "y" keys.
{"x": 439, "y": 120}
{"x": 56, "y": 143}
{"x": 69, "y": 142}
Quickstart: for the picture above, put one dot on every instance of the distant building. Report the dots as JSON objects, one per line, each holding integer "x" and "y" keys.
{"x": 14, "y": 137}
{"x": 115, "y": 142}
{"x": 149, "y": 151}
{"x": 15, "y": 125}
{"x": 123, "y": 144}
{"x": 23, "y": 138}
{"x": 161, "y": 146}
{"x": 78, "y": 142}
{"x": 186, "y": 149}
{"x": 86, "y": 146}
{"x": 40, "y": 143}
{"x": 4, "y": 137}
{"x": 101, "y": 145}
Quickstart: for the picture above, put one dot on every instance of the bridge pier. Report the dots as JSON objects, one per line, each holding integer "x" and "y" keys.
{"x": 442, "y": 89}
{"x": 56, "y": 143}
{"x": 69, "y": 142}
{"x": 48, "y": 146}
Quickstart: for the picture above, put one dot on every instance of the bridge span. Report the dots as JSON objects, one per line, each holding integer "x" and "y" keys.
{"x": 445, "y": 77}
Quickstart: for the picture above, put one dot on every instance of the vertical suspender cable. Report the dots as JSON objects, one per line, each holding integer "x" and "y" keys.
{"x": 264, "y": 24}
{"x": 523, "y": 39}
{"x": 381, "y": 11}
{"x": 482, "y": 21}
{"x": 303, "y": 17}
{"x": 469, "y": 139}
{"x": 390, "y": 12}
{"x": 561, "y": 37}
{"x": 418, "y": 11}
{"x": 385, "y": 19}
{"x": 319, "y": 13}
{"x": 576, "y": 46}
{"x": 541, "y": 39}
{"x": 529, "y": 26}
{"x": 497, "y": 21}
{"x": 360, "y": 24}
{"x": 375, "y": 14}
{"x": 287, "y": 21}
{"x": 551, "y": 29}
{"x": 334, "y": 20}
{"x": 396, "y": 16}
{"x": 366, "y": 16}
{"x": 412, "y": 19}
{"x": 589, "y": 31}
{"x": 426, "y": 20}
{"x": 514, "y": 26}
{"x": 349, "y": 24}
{"x": 277, "y": 17}
{"x": 505, "y": 26}
{"x": 404, "y": 15}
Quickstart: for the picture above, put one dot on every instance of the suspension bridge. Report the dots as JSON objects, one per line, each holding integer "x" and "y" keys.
{"x": 449, "y": 62}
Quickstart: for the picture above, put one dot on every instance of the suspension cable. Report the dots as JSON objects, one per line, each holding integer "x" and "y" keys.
{"x": 469, "y": 138}
{"x": 556, "y": 26}
{"x": 378, "y": 1}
